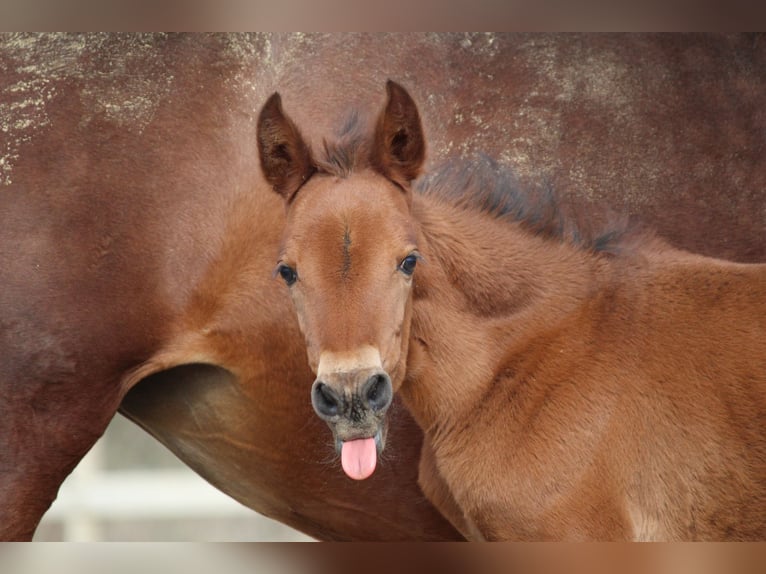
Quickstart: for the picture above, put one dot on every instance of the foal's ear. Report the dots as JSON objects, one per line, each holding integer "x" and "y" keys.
{"x": 399, "y": 148}
{"x": 285, "y": 158}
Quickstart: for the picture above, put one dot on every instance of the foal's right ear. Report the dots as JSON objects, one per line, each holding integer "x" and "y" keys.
{"x": 285, "y": 158}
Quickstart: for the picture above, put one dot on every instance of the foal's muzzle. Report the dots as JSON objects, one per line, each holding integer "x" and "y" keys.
{"x": 353, "y": 396}
{"x": 354, "y": 404}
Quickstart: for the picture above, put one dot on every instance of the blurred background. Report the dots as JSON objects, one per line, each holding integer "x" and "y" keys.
{"x": 129, "y": 487}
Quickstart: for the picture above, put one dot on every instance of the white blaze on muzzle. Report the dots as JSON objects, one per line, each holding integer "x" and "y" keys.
{"x": 365, "y": 357}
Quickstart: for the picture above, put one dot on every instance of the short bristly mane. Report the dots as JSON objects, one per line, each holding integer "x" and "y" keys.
{"x": 477, "y": 183}
{"x": 481, "y": 183}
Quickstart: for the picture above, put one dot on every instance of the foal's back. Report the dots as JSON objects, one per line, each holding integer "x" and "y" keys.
{"x": 692, "y": 359}
{"x": 642, "y": 415}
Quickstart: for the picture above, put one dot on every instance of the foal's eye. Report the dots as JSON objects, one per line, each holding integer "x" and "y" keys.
{"x": 407, "y": 266}
{"x": 288, "y": 274}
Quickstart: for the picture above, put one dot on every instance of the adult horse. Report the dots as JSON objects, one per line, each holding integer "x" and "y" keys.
{"x": 607, "y": 388}
{"x": 127, "y": 279}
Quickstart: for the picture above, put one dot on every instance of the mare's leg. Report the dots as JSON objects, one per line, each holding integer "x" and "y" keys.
{"x": 42, "y": 438}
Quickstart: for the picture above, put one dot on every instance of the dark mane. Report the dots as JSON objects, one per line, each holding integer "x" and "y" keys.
{"x": 484, "y": 184}
{"x": 480, "y": 183}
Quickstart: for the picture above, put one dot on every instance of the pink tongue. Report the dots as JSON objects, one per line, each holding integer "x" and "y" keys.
{"x": 358, "y": 458}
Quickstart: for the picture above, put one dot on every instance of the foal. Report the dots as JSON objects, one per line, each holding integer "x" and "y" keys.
{"x": 564, "y": 392}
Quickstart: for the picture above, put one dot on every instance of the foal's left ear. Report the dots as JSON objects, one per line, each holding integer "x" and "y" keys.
{"x": 285, "y": 158}
{"x": 399, "y": 147}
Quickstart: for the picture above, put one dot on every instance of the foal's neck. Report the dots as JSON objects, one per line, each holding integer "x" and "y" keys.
{"x": 486, "y": 290}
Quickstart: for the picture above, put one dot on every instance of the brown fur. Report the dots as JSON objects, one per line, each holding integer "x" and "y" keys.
{"x": 564, "y": 393}
{"x": 139, "y": 239}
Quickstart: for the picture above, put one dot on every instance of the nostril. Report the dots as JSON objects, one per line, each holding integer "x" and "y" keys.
{"x": 378, "y": 392}
{"x": 325, "y": 400}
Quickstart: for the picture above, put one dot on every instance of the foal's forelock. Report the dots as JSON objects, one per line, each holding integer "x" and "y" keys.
{"x": 349, "y": 151}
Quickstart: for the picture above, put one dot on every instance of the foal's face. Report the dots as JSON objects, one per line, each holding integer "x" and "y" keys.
{"x": 348, "y": 255}
{"x": 352, "y": 248}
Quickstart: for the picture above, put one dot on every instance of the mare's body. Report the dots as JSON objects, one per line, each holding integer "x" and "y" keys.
{"x": 138, "y": 240}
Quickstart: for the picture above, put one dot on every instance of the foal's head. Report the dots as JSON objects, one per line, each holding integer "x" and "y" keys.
{"x": 348, "y": 253}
